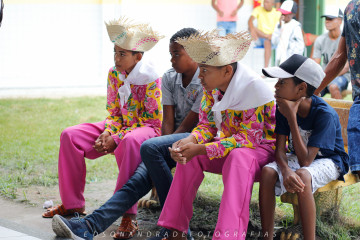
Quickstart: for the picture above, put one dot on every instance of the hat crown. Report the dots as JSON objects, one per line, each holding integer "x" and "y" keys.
{"x": 211, "y": 49}
{"x": 289, "y": 6}
{"x": 334, "y": 13}
{"x": 132, "y": 36}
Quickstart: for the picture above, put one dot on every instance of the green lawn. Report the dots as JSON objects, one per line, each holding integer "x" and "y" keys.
{"x": 29, "y": 144}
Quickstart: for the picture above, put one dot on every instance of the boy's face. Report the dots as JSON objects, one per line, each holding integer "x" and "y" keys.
{"x": 332, "y": 23}
{"x": 180, "y": 60}
{"x": 214, "y": 77}
{"x": 285, "y": 88}
{"x": 287, "y": 17}
{"x": 125, "y": 60}
{"x": 268, "y": 5}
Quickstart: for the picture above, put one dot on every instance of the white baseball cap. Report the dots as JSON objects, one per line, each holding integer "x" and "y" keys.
{"x": 334, "y": 13}
{"x": 297, "y": 66}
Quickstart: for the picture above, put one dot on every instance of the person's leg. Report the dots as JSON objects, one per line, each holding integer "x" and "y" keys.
{"x": 338, "y": 85}
{"x": 307, "y": 205}
{"x": 267, "y": 201}
{"x": 221, "y": 26}
{"x": 231, "y": 27}
{"x": 156, "y": 157}
{"x": 353, "y": 131}
{"x": 267, "y": 52}
{"x": 138, "y": 185}
{"x": 241, "y": 168}
{"x": 128, "y": 156}
{"x": 97, "y": 222}
{"x": 178, "y": 209}
{"x": 76, "y": 143}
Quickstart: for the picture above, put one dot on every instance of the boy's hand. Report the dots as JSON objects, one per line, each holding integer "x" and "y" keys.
{"x": 221, "y": 13}
{"x": 288, "y": 108}
{"x": 175, "y": 149}
{"x": 186, "y": 152}
{"x": 109, "y": 145}
{"x": 292, "y": 182}
{"x": 234, "y": 12}
{"x": 99, "y": 143}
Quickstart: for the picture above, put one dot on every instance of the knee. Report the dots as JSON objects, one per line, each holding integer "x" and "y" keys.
{"x": 268, "y": 176}
{"x": 148, "y": 148}
{"x": 67, "y": 133}
{"x": 305, "y": 176}
{"x": 333, "y": 88}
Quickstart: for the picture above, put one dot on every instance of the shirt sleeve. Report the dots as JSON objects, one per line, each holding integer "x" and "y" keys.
{"x": 317, "y": 48}
{"x": 206, "y": 129}
{"x": 250, "y": 134}
{"x": 113, "y": 122}
{"x": 151, "y": 114}
{"x": 324, "y": 133}
{"x": 167, "y": 90}
{"x": 196, "y": 106}
{"x": 282, "y": 126}
{"x": 255, "y": 12}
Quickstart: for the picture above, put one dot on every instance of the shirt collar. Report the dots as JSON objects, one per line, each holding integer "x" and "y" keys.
{"x": 194, "y": 80}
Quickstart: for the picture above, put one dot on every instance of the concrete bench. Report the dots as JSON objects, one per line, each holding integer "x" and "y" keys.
{"x": 329, "y": 196}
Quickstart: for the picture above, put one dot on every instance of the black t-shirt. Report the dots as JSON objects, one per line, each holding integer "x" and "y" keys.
{"x": 320, "y": 128}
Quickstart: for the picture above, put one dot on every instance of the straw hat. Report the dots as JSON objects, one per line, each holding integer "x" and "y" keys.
{"x": 130, "y": 36}
{"x": 211, "y": 49}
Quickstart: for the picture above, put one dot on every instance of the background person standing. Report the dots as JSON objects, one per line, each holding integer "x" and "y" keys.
{"x": 226, "y": 14}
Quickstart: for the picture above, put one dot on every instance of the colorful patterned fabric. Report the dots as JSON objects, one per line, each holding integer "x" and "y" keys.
{"x": 248, "y": 128}
{"x": 143, "y": 107}
{"x": 351, "y": 33}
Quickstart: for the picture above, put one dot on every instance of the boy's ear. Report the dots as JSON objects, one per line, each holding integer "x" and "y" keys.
{"x": 228, "y": 70}
{"x": 302, "y": 88}
{"x": 138, "y": 57}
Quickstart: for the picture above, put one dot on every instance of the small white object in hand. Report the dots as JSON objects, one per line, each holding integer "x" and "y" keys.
{"x": 48, "y": 204}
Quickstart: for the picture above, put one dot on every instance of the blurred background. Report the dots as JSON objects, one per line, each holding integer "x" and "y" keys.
{"x": 52, "y": 48}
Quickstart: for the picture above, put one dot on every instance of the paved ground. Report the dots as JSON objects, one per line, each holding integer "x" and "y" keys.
{"x": 24, "y": 222}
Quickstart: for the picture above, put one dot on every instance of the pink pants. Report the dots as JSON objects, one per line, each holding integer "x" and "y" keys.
{"x": 239, "y": 170}
{"x": 76, "y": 143}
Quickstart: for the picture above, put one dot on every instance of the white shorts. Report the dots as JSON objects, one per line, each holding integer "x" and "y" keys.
{"x": 322, "y": 172}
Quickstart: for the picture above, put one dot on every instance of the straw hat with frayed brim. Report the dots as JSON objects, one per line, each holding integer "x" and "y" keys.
{"x": 130, "y": 36}
{"x": 211, "y": 49}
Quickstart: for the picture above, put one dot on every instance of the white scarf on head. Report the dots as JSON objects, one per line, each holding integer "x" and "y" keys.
{"x": 143, "y": 73}
{"x": 246, "y": 90}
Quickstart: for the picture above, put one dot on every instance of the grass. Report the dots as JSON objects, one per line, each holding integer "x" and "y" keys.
{"x": 29, "y": 145}
{"x": 29, "y": 140}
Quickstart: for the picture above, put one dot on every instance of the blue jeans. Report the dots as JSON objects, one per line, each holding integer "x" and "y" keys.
{"x": 353, "y": 131}
{"x": 226, "y": 27}
{"x": 341, "y": 82}
{"x": 156, "y": 156}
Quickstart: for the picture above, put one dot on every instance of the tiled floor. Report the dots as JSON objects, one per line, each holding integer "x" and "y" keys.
{"x": 8, "y": 234}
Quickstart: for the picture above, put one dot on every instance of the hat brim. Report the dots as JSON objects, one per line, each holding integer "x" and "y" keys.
{"x": 330, "y": 16}
{"x": 284, "y": 11}
{"x": 276, "y": 72}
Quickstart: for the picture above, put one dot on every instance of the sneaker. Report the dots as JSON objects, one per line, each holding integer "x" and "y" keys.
{"x": 165, "y": 233}
{"x": 75, "y": 228}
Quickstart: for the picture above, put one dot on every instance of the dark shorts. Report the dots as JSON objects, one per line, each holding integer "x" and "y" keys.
{"x": 341, "y": 82}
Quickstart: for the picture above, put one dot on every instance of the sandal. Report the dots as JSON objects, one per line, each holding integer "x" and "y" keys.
{"x": 127, "y": 229}
{"x": 62, "y": 211}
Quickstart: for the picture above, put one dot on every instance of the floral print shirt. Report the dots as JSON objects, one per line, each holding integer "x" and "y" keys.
{"x": 143, "y": 107}
{"x": 248, "y": 128}
{"x": 351, "y": 32}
